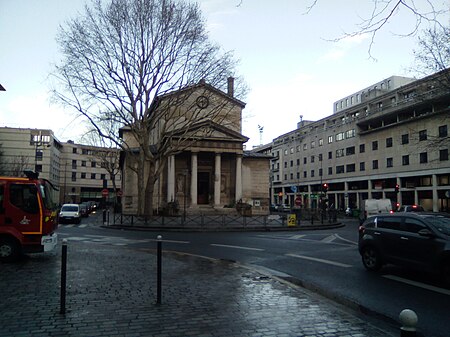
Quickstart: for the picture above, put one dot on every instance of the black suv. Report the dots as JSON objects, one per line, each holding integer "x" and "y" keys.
{"x": 416, "y": 240}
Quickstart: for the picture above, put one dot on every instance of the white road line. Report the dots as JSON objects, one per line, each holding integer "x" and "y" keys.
{"x": 295, "y": 237}
{"x": 418, "y": 284}
{"x": 329, "y": 238}
{"x": 237, "y": 247}
{"x": 346, "y": 240}
{"x": 338, "y": 264}
{"x": 168, "y": 241}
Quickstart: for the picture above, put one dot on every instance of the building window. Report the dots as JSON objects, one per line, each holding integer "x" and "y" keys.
{"x": 74, "y": 150}
{"x": 312, "y": 173}
{"x": 305, "y": 146}
{"x": 83, "y": 163}
{"x": 292, "y": 163}
{"x": 389, "y": 142}
{"x": 443, "y": 155}
{"x": 39, "y": 155}
{"x": 313, "y": 144}
{"x": 74, "y": 164}
{"x": 83, "y": 175}
{"x": 362, "y": 166}
{"x": 350, "y": 133}
{"x": 405, "y": 160}
{"x": 340, "y": 169}
{"x": 389, "y": 162}
{"x": 305, "y": 161}
{"x": 351, "y": 168}
{"x": 38, "y": 168}
{"x": 330, "y": 155}
{"x": 93, "y": 164}
{"x": 298, "y": 175}
{"x": 330, "y": 139}
{"x": 339, "y": 136}
{"x": 312, "y": 159}
{"x": 350, "y": 151}
{"x": 74, "y": 176}
{"x": 330, "y": 171}
{"x": 285, "y": 151}
{"x": 423, "y": 157}
{"x": 321, "y": 142}
{"x": 339, "y": 153}
{"x": 292, "y": 176}
{"x": 443, "y": 131}
{"x": 285, "y": 177}
{"x": 305, "y": 175}
{"x": 92, "y": 175}
{"x": 375, "y": 145}
{"x": 362, "y": 148}
{"x": 423, "y": 135}
{"x": 320, "y": 157}
{"x": 405, "y": 138}
{"x": 285, "y": 164}
{"x": 298, "y": 162}
{"x": 375, "y": 164}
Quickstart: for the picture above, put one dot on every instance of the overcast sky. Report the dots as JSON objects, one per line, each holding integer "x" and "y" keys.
{"x": 286, "y": 57}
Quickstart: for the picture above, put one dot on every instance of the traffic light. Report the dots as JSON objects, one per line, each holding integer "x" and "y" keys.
{"x": 325, "y": 187}
{"x": 397, "y": 188}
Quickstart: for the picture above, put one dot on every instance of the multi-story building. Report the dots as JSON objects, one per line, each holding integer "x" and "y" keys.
{"x": 391, "y": 136}
{"x": 77, "y": 171}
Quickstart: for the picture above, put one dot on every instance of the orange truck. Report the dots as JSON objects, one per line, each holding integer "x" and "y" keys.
{"x": 28, "y": 216}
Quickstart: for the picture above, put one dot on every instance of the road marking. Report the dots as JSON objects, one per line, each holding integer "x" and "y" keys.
{"x": 237, "y": 247}
{"x": 169, "y": 241}
{"x": 418, "y": 284}
{"x": 296, "y": 237}
{"x": 346, "y": 240}
{"x": 338, "y": 264}
{"x": 329, "y": 238}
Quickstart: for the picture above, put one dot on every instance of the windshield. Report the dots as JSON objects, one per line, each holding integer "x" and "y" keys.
{"x": 441, "y": 223}
{"x": 47, "y": 196}
{"x": 70, "y": 208}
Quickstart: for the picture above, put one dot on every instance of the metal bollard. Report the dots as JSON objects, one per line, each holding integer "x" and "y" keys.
{"x": 158, "y": 272}
{"x": 408, "y": 319}
{"x": 62, "y": 308}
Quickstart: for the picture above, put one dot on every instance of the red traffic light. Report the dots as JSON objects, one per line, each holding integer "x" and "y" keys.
{"x": 325, "y": 187}
{"x": 397, "y": 188}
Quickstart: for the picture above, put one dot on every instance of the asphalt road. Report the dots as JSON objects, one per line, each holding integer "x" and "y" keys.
{"x": 327, "y": 261}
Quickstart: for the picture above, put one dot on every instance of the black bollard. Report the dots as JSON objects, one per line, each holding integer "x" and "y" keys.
{"x": 62, "y": 309}
{"x": 159, "y": 272}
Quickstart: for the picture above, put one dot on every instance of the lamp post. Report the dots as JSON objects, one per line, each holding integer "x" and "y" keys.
{"x": 185, "y": 174}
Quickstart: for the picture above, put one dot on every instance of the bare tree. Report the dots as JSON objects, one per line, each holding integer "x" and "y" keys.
{"x": 384, "y": 11}
{"x": 121, "y": 58}
{"x": 106, "y": 153}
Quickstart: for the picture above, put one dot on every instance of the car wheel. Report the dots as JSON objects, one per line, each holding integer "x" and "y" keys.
{"x": 371, "y": 258}
{"x": 9, "y": 250}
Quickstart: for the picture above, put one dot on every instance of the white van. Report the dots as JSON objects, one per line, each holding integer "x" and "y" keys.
{"x": 375, "y": 206}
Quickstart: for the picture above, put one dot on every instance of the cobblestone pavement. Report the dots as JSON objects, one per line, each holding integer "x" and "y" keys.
{"x": 111, "y": 291}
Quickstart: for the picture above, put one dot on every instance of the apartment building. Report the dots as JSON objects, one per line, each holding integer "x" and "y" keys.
{"x": 76, "y": 170}
{"x": 392, "y": 135}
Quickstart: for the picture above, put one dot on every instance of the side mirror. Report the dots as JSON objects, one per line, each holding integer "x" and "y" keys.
{"x": 427, "y": 233}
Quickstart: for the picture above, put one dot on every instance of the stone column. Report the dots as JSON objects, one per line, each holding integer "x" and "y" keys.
{"x": 238, "y": 178}
{"x": 399, "y": 194}
{"x": 435, "y": 193}
{"x": 217, "y": 174}
{"x": 369, "y": 189}
{"x": 171, "y": 178}
{"x": 309, "y": 196}
{"x": 194, "y": 177}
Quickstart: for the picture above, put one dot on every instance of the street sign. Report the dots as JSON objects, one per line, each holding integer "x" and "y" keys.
{"x": 105, "y": 192}
{"x": 298, "y": 201}
{"x": 294, "y": 189}
{"x": 292, "y": 220}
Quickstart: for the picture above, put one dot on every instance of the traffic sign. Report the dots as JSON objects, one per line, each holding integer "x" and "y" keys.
{"x": 105, "y": 192}
{"x": 298, "y": 201}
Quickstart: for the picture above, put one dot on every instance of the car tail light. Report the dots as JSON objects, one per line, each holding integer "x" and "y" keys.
{"x": 391, "y": 212}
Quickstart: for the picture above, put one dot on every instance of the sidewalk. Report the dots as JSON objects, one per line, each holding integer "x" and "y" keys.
{"x": 111, "y": 291}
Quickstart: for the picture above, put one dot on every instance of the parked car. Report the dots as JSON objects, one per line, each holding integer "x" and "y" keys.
{"x": 84, "y": 210}
{"x": 374, "y": 206}
{"x": 415, "y": 240}
{"x": 411, "y": 208}
{"x": 70, "y": 213}
{"x": 283, "y": 208}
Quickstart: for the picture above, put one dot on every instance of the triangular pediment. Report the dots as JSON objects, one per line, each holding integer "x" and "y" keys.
{"x": 208, "y": 130}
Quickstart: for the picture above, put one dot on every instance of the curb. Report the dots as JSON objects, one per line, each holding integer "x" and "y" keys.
{"x": 221, "y": 229}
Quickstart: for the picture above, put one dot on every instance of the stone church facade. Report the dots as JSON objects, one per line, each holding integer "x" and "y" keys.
{"x": 213, "y": 172}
